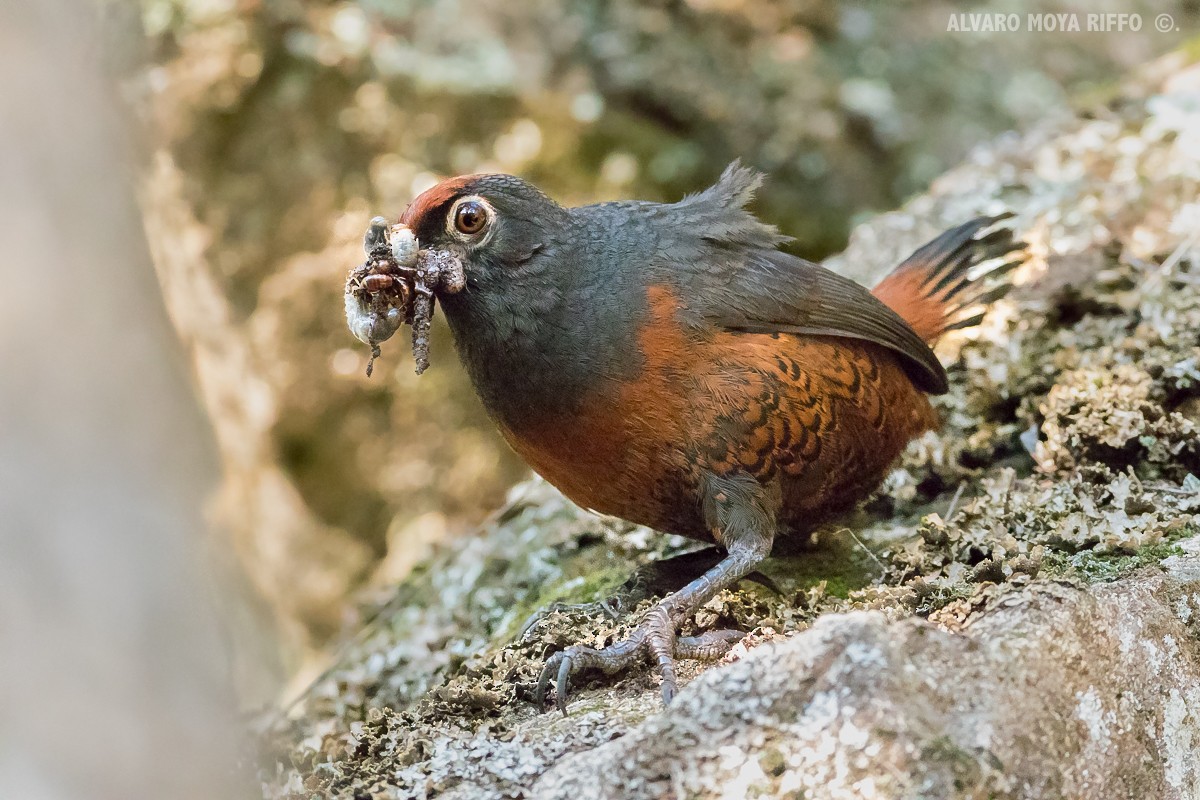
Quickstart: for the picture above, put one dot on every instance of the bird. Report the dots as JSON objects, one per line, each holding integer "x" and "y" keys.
{"x": 669, "y": 364}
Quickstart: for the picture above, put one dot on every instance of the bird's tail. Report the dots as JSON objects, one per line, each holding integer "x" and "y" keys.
{"x": 938, "y": 287}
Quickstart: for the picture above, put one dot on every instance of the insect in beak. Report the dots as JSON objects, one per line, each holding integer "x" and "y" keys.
{"x": 396, "y": 285}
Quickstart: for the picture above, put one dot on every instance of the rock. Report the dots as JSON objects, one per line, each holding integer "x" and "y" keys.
{"x": 1053, "y": 690}
{"x": 1013, "y": 615}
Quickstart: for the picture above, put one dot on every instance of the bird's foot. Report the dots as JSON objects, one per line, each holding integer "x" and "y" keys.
{"x": 656, "y": 579}
{"x": 654, "y": 639}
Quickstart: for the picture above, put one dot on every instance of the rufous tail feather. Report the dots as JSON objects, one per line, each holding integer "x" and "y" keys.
{"x": 937, "y": 288}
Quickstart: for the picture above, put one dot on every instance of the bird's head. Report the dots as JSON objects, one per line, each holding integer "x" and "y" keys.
{"x": 496, "y": 225}
{"x": 485, "y": 245}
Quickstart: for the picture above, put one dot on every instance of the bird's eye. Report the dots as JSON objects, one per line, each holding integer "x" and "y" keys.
{"x": 470, "y": 217}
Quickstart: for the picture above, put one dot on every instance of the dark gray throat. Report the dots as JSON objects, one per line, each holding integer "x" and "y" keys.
{"x": 540, "y": 357}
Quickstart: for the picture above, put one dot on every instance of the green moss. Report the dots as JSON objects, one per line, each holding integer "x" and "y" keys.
{"x": 585, "y": 580}
{"x": 838, "y": 560}
{"x": 587, "y": 586}
{"x": 1095, "y": 567}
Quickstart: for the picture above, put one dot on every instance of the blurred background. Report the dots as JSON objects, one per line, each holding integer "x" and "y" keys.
{"x": 217, "y": 160}
{"x": 276, "y": 129}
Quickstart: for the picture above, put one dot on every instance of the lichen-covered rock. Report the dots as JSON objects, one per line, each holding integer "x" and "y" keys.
{"x": 1050, "y": 691}
{"x": 1014, "y": 615}
{"x": 1118, "y": 417}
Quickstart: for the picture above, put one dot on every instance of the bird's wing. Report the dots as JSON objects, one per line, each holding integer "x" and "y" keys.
{"x": 774, "y": 292}
{"x": 736, "y": 279}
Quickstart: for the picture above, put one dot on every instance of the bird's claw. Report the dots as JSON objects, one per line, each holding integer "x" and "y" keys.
{"x": 653, "y": 639}
{"x": 564, "y": 663}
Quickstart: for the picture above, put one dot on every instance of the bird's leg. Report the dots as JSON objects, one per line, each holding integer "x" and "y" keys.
{"x": 743, "y": 513}
{"x": 656, "y": 579}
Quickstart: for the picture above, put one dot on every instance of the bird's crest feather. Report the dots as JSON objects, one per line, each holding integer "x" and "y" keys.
{"x": 719, "y": 212}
